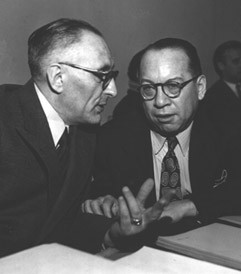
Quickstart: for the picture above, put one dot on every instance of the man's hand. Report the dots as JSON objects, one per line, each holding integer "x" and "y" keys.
{"x": 107, "y": 206}
{"x": 179, "y": 209}
{"x": 134, "y": 218}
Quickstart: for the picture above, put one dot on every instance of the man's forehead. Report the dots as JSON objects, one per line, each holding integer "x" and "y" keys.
{"x": 163, "y": 57}
{"x": 91, "y": 50}
{"x": 164, "y": 53}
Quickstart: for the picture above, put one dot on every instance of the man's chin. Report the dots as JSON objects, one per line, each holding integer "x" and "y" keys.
{"x": 167, "y": 131}
{"x": 95, "y": 119}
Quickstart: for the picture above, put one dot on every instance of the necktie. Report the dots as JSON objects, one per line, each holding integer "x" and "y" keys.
{"x": 62, "y": 150}
{"x": 170, "y": 174}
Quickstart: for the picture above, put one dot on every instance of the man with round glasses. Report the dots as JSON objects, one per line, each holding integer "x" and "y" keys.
{"x": 196, "y": 172}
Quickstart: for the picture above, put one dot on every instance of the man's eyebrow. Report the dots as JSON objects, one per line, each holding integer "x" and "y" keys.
{"x": 147, "y": 80}
{"x": 178, "y": 78}
{"x": 107, "y": 68}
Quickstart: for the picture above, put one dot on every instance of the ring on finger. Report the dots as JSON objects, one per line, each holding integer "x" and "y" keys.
{"x": 136, "y": 221}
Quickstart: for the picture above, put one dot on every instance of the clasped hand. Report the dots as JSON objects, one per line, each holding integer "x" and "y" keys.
{"x": 131, "y": 215}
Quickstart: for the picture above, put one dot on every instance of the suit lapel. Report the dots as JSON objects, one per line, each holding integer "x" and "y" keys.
{"x": 81, "y": 160}
{"x": 202, "y": 154}
{"x": 78, "y": 176}
{"x": 35, "y": 131}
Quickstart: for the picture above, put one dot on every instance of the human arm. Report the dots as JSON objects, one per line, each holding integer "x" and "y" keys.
{"x": 177, "y": 210}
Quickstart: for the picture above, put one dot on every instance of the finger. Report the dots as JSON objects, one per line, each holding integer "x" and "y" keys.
{"x": 167, "y": 196}
{"x": 115, "y": 210}
{"x": 96, "y": 206}
{"x": 125, "y": 218}
{"x": 108, "y": 203}
{"x": 156, "y": 211}
{"x": 159, "y": 206}
{"x": 87, "y": 207}
{"x": 132, "y": 203}
{"x": 144, "y": 191}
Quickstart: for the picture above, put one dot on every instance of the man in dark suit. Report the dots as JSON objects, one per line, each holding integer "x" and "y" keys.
{"x": 47, "y": 130}
{"x": 223, "y": 99}
{"x": 200, "y": 174}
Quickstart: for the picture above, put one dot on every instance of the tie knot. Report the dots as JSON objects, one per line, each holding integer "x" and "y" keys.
{"x": 172, "y": 142}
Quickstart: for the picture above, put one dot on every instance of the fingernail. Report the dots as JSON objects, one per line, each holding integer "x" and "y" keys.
{"x": 125, "y": 189}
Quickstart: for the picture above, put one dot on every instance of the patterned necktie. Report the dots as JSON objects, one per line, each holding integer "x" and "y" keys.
{"x": 170, "y": 174}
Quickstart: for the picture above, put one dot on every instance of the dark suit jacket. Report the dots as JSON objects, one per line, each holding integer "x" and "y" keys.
{"x": 124, "y": 157}
{"x": 223, "y": 107}
{"x": 30, "y": 214}
{"x": 129, "y": 105}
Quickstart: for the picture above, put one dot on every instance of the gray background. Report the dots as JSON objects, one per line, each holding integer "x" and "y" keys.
{"x": 128, "y": 26}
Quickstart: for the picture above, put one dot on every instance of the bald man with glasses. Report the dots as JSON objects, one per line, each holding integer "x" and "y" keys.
{"x": 48, "y": 131}
{"x": 195, "y": 170}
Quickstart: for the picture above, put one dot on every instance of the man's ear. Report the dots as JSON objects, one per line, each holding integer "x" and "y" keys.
{"x": 55, "y": 78}
{"x": 202, "y": 86}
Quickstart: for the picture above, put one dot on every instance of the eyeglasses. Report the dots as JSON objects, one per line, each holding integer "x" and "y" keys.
{"x": 105, "y": 77}
{"x": 171, "y": 89}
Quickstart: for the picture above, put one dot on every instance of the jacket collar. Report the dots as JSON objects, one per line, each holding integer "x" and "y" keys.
{"x": 32, "y": 125}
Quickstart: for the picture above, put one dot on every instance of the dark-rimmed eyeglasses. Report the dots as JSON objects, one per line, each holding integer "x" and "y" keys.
{"x": 171, "y": 89}
{"x": 105, "y": 77}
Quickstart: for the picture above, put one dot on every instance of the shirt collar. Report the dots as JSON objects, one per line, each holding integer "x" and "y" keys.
{"x": 183, "y": 138}
{"x": 232, "y": 86}
{"x": 56, "y": 124}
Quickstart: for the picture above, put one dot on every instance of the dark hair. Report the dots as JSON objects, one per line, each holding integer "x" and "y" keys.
{"x": 176, "y": 43}
{"x": 60, "y": 33}
{"x": 133, "y": 68}
{"x": 220, "y": 51}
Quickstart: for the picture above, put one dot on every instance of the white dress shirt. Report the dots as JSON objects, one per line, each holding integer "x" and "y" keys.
{"x": 56, "y": 124}
{"x": 159, "y": 150}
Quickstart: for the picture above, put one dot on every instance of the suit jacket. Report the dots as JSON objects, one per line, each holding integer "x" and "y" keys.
{"x": 30, "y": 212}
{"x": 129, "y": 105}
{"x": 223, "y": 107}
{"x": 124, "y": 157}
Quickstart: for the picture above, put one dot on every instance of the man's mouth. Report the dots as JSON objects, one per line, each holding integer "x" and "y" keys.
{"x": 164, "y": 117}
{"x": 100, "y": 107}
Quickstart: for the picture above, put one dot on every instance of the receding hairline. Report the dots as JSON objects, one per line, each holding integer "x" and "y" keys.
{"x": 80, "y": 38}
{"x": 57, "y": 35}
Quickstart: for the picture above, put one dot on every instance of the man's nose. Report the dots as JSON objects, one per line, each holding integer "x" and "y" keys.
{"x": 161, "y": 99}
{"x": 111, "y": 89}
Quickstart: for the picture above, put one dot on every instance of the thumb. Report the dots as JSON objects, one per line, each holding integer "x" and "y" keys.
{"x": 144, "y": 191}
{"x": 158, "y": 207}
{"x": 167, "y": 196}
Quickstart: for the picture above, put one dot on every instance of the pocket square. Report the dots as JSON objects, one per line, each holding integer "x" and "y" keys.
{"x": 222, "y": 179}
